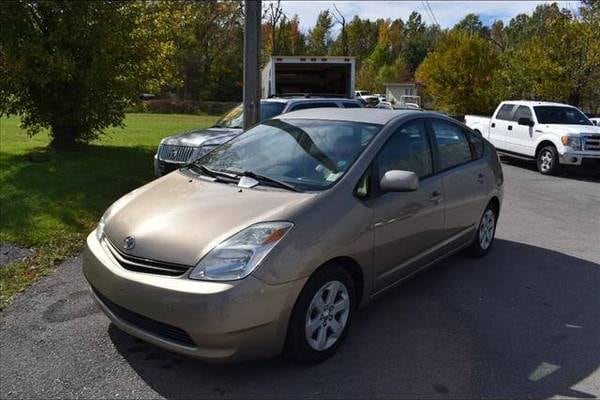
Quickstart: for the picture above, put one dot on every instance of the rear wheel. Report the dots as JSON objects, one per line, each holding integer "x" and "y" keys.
{"x": 547, "y": 161}
{"x": 485, "y": 232}
{"x": 321, "y": 316}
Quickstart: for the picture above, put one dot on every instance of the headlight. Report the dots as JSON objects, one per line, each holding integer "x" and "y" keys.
{"x": 571, "y": 141}
{"x": 238, "y": 256}
{"x": 102, "y": 224}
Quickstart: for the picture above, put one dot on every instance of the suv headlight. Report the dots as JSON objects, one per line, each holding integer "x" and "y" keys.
{"x": 572, "y": 141}
{"x": 238, "y": 256}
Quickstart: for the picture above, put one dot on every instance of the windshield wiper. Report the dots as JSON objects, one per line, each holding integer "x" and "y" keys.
{"x": 215, "y": 173}
{"x": 273, "y": 181}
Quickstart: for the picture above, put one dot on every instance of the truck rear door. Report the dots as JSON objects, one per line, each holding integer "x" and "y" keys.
{"x": 501, "y": 126}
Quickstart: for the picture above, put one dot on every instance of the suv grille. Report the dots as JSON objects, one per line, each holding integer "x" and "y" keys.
{"x": 138, "y": 264}
{"x": 175, "y": 153}
{"x": 592, "y": 143}
{"x": 162, "y": 330}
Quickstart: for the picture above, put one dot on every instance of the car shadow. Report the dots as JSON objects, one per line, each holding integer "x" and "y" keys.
{"x": 521, "y": 322}
{"x": 587, "y": 174}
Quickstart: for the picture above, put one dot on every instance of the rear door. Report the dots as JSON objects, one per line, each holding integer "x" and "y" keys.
{"x": 464, "y": 174}
{"x": 407, "y": 225}
{"x": 501, "y": 127}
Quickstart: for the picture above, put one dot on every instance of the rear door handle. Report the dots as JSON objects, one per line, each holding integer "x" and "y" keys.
{"x": 436, "y": 197}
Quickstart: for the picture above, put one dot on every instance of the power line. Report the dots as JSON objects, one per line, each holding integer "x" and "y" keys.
{"x": 432, "y": 13}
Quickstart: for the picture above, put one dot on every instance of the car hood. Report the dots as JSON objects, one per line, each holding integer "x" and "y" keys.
{"x": 204, "y": 137}
{"x": 179, "y": 218}
{"x": 570, "y": 129}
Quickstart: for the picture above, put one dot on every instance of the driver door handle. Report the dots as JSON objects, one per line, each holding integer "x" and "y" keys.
{"x": 436, "y": 197}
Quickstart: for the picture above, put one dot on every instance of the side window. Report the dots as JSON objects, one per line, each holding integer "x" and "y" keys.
{"x": 304, "y": 106}
{"x": 476, "y": 143}
{"x": 452, "y": 143}
{"x": 522, "y": 112}
{"x": 504, "y": 112}
{"x": 348, "y": 104}
{"x": 408, "y": 150}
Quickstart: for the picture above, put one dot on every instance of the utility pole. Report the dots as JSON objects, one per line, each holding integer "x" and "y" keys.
{"x": 252, "y": 21}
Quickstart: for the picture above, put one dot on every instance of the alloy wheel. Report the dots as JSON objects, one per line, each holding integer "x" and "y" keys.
{"x": 486, "y": 229}
{"x": 327, "y": 315}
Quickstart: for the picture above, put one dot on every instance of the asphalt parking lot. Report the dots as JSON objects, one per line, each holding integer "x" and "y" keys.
{"x": 522, "y": 322}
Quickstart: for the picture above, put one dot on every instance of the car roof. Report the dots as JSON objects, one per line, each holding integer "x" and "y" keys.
{"x": 535, "y": 103}
{"x": 308, "y": 99}
{"x": 378, "y": 116}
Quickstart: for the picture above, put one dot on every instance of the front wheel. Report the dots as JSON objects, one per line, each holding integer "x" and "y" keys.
{"x": 485, "y": 232}
{"x": 321, "y": 316}
{"x": 547, "y": 161}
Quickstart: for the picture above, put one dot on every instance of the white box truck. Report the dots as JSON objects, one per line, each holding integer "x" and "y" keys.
{"x": 285, "y": 76}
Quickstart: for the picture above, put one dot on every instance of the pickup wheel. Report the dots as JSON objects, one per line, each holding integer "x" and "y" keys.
{"x": 547, "y": 161}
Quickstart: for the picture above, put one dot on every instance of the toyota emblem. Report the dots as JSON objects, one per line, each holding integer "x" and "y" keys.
{"x": 129, "y": 243}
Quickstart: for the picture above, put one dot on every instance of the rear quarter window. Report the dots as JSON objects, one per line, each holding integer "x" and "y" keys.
{"x": 505, "y": 112}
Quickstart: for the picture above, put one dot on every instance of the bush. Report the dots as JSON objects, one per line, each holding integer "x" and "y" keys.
{"x": 174, "y": 106}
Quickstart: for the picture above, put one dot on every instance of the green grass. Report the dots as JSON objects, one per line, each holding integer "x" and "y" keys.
{"x": 51, "y": 201}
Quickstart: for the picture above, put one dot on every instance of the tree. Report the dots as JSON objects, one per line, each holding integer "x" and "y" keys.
{"x": 458, "y": 73}
{"x": 320, "y": 36}
{"x": 473, "y": 25}
{"x": 73, "y": 66}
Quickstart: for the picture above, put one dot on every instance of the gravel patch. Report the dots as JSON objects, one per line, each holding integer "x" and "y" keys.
{"x": 10, "y": 253}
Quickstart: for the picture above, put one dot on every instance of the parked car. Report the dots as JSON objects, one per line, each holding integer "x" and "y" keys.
{"x": 366, "y": 98}
{"x": 553, "y": 134}
{"x": 380, "y": 96}
{"x": 405, "y": 106}
{"x": 273, "y": 240}
{"x": 183, "y": 148}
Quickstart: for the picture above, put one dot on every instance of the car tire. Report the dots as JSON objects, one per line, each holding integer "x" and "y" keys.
{"x": 318, "y": 327}
{"x": 486, "y": 232}
{"x": 547, "y": 161}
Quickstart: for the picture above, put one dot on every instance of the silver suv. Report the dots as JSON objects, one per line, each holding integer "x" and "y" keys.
{"x": 183, "y": 148}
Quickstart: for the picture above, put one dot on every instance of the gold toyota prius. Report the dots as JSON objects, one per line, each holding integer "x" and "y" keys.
{"x": 270, "y": 243}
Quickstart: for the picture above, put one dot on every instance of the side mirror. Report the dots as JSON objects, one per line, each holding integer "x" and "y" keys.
{"x": 399, "y": 181}
{"x": 525, "y": 121}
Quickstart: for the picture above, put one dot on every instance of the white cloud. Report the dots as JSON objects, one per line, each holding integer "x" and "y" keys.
{"x": 447, "y": 12}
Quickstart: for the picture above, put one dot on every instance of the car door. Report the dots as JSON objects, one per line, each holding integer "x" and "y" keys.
{"x": 499, "y": 127}
{"x": 464, "y": 174}
{"x": 406, "y": 224}
{"x": 522, "y": 135}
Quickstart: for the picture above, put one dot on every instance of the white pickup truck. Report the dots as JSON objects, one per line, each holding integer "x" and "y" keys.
{"x": 553, "y": 134}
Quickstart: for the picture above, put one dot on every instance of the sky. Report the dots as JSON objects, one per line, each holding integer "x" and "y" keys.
{"x": 446, "y": 12}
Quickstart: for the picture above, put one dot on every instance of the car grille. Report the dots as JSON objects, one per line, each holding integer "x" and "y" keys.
{"x": 160, "y": 329}
{"x": 175, "y": 153}
{"x": 592, "y": 143}
{"x": 138, "y": 264}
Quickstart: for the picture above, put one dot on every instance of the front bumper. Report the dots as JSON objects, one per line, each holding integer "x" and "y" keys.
{"x": 213, "y": 321}
{"x": 579, "y": 158}
{"x": 162, "y": 167}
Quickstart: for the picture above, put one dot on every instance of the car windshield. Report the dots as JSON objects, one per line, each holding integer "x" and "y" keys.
{"x": 308, "y": 154}
{"x": 234, "y": 119}
{"x": 560, "y": 115}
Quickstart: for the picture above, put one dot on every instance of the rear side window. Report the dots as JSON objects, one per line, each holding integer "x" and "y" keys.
{"x": 304, "y": 106}
{"x": 452, "y": 143}
{"x": 407, "y": 150}
{"x": 269, "y": 110}
{"x": 476, "y": 144}
{"x": 522, "y": 112}
{"x": 505, "y": 112}
{"x": 349, "y": 104}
